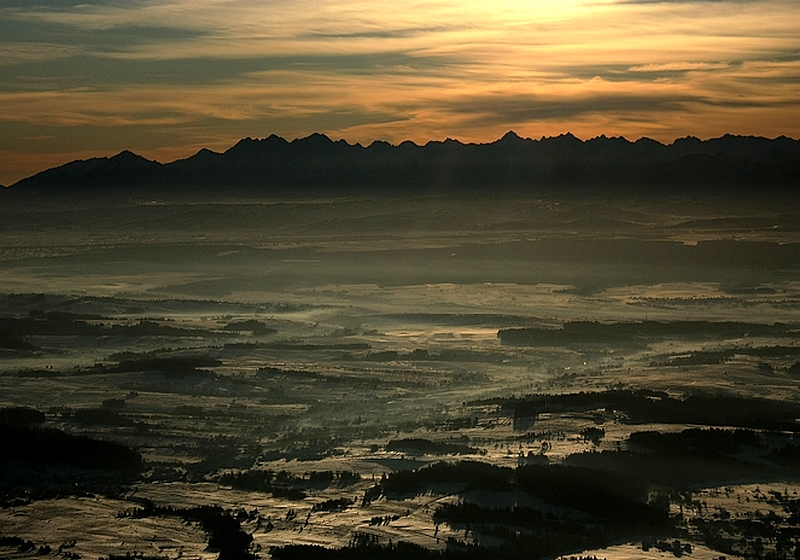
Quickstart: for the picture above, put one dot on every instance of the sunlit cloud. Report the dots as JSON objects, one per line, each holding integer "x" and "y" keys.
{"x": 679, "y": 67}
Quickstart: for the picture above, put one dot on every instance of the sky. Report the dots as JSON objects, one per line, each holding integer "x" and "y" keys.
{"x": 86, "y": 78}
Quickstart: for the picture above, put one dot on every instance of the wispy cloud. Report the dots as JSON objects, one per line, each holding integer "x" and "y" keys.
{"x": 679, "y": 67}
{"x": 687, "y": 1}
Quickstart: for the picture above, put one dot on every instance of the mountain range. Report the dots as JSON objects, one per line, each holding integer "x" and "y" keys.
{"x": 316, "y": 163}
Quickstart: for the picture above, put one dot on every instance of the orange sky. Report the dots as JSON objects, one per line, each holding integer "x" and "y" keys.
{"x": 93, "y": 77}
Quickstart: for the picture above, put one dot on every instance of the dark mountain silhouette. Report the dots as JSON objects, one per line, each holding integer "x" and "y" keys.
{"x": 317, "y": 163}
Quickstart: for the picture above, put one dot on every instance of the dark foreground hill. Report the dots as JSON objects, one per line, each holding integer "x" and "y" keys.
{"x": 317, "y": 163}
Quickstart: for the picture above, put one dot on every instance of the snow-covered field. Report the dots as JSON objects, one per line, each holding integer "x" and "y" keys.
{"x": 379, "y": 321}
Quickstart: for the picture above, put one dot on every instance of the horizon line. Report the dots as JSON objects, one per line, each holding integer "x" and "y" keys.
{"x": 510, "y": 132}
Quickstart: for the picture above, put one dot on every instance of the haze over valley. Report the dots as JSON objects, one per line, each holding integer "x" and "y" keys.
{"x": 401, "y": 375}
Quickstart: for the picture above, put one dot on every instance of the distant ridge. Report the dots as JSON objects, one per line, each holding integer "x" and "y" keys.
{"x": 316, "y": 162}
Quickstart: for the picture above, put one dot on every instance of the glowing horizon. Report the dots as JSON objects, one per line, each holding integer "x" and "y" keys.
{"x": 164, "y": 79}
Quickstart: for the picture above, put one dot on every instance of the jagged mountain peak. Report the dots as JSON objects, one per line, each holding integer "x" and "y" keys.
{"x": 511, "y": 137}
{"x": 127, "y": 157}
{"x": 566, "y": 139}
{"x": 380, "y": 145}
{"x": 316, "y": 161}
{"x": 315, "y": 139}
{"x": 644, "y": 140}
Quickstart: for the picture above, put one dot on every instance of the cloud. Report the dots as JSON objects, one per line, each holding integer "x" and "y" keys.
{"x": 104, "y": 39}
{"x": 77, "y": 69}
{"x": 514, "y": 109}
{"x": 688, "y": 1}
{"x": 679, "y": 67}
{"x": 63, "y": 4}
{"x": 400, "y": 33}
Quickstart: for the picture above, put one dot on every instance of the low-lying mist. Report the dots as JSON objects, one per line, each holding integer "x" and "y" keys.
{"x": 414, "y": 377}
